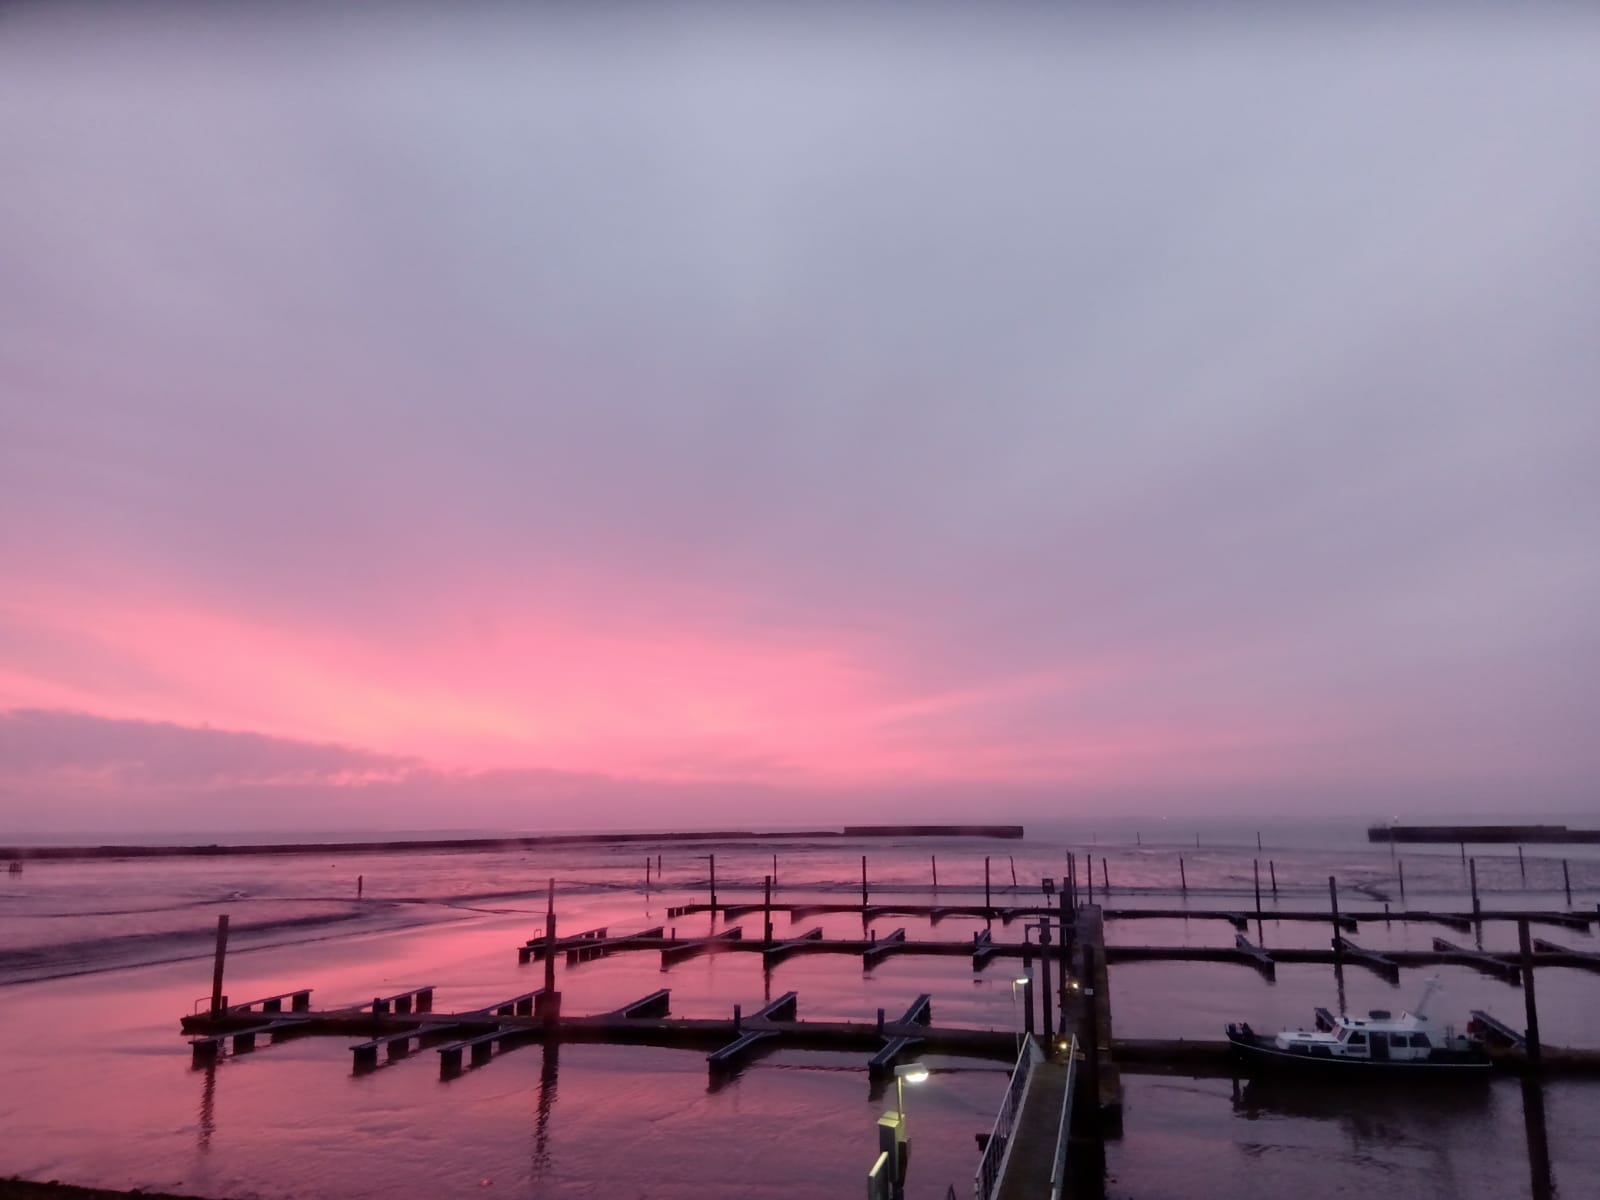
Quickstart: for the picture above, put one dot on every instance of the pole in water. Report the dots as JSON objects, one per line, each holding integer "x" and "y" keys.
{"x": 766, "y": 925}
{"x": 1088, "y": 873}
{"x": 863, "y": 881}
{"x": 550, "y": 999}
{"x": 1136, "y": 840}
{"x": 361, "y": 884}
{"x": 774, "y": 868}
{"x": 1044, "y": 975}
{"x": 1183, "y": 879}
{"x": 1333, "y": 906}
{"x": 1523, "y": 943}
{"x": 1472, "y": 866}
{"x": 1105, "y": 879}
{"x": 1256, "y": 863}
{"x": 1400, "y": 865}
{"x": 987, "y": 910}
{"x": 1258, "y": 839}
{"x": 934, "y": 859}
{"x": 1566, "y": 879}
{"x": 713, "y": 884}
{"x": 1272, "y": 870}
{"x": 216, "y": 969}
{"x": 1463, "y": 854}
{"x": 1013, "y": 861}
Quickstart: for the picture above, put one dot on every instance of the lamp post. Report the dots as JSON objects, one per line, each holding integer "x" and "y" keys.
{"x": 904, "y": 1074}
{"x": 1044, "y": 969}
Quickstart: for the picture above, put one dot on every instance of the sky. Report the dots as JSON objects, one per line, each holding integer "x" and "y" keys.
{"x": 624, "y": 416}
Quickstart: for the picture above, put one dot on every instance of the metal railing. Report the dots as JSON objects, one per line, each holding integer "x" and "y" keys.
{"x": 1058, "y": 1173}
{"x": 993, "y": 1162}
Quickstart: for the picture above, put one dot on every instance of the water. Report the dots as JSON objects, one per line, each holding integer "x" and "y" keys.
{"x": 99, "y": 958}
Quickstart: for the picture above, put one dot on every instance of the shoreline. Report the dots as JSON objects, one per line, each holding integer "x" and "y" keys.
{"x": 14, "y": 1188}
{"x": 525, "y": 842}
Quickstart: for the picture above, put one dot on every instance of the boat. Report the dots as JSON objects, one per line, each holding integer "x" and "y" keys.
{"x": 1410, "y": 1046}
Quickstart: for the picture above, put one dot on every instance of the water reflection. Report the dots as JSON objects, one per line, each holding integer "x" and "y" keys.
{"x": 208, "y": 1108}
{"x": 548, "y": 1071}
{"x": 1542, "y": 1180}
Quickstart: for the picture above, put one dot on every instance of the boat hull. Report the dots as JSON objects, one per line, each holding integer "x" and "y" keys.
{"x": 1257, "y": 1054}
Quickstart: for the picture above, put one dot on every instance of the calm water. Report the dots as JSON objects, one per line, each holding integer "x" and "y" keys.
{"x": 114, "y": 1100}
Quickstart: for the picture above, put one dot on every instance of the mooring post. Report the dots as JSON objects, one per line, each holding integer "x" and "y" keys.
{"x": 934, "y": 860}
{"x": 550, "y": 1000}
{"x": 1258, "y": 839}
{"x": 1333, "y": 906}
{"x": 1088, "y": 874}
{"x": 767, "y": 921}
{"x": 1566, "y": 880}
{"x": 1256, "y": 863}
{"x": 1477, "y": 911}
{"x": 988, "y": 910}
{"x": 647, "y": 873}
{"x": 774, "y": 869}
{"x": 1072, "y": 877}
{"x": 361, "y": 883}
{"x": 1091, "y": 1014}
{"x": 1105, "y": 878}
{"x": 1522, "y": 866}
{"x": 1183, "y": 878}
{"x": 658, "y": 868}
{"x": 1272, "y": 870}
{"x": 1013, "y": 861}
{"x": 1400, "y": 865}
{"x": 880, "y": 1022}
{"x": 1069, "y": 937}
{"x": 1044, "y": 977}
{"x": 738, "y": 1018}
{"x": 216, "y": 969}
{"x": 863, "y": 885}
{"x": 713, "y": 859}
{"x": 1524, "y": 943}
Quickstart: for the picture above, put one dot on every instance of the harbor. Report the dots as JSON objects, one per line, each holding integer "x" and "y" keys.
{"x": 823, "y": 983}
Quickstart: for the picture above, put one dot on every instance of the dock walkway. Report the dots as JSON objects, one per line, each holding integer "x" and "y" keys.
{"x": 1031, "y": 1159}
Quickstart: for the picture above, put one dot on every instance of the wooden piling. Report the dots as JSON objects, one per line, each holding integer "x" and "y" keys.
{"x": 1333, "y": 908}
{"x": 1566, "y": 880}
{"x": 766, "y": 926}
{"x": 1013, "y": 861}
{"x": 216, "y": 968}
{"x": 1044, "y": 977}
{"x": 1256, "y": 864}
{"x": 1105, "y": 878}
{"x": 863, "y": 881}
{"x": 934, "y": 859}
{"x": 1477, "y": 909}
{"x": 713, "y": 859}
{"x": 1258, "y": 839}
{"x": 361, "y": 884}
{"x": 1528, "y": 1000}
{"x": 774, "y": 869}
{"x": 550, "y": 944}
{"x": 988, "y": 905}
{"x": 1522, "y": 866}
{"x": 647, "y": 873}
{"x": 1400, "y": 865}
{"x": 1088, "y": 874}
{"x": 1272, "y": 870}
{"x": 1183, "y": 879}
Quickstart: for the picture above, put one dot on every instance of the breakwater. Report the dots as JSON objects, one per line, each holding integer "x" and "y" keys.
{"x": 1482, "y": 834}
{"x": 525, "y": 842}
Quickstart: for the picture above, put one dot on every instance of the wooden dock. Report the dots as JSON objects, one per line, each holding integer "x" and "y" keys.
{"x": 483, "y": 1032}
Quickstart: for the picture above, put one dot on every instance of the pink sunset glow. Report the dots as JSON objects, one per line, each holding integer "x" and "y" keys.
{"x": 524, "y": 420}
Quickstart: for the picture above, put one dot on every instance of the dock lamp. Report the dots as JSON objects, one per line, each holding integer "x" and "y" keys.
{"x": 904, "y": 1074}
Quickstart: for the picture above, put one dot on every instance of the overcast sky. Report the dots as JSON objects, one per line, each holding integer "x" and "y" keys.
{"x": 601, "y": 416}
